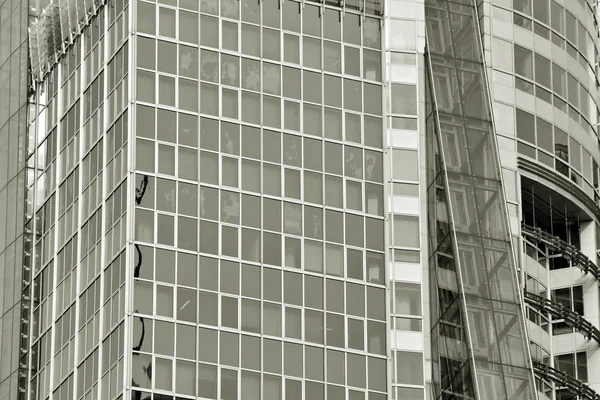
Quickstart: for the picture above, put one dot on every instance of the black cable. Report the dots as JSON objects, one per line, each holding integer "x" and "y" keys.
{"x": 138, "y": 265}
{"x": 139, "y": 193}
{"x": 140, "y": 343}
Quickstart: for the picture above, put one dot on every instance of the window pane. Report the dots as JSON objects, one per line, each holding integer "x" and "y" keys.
{"x": 404, "y": 99}
{"x": 207, "y": 381}
{"x": 542, "y": 70}
{"x": 524, "y": 62}
{"x": 406, "y": 231}
{"x": 407, "y": 298}
{"x": 405, "y": 165}
{"x": 409, "y": 368}
{"x": 525, "y": 126}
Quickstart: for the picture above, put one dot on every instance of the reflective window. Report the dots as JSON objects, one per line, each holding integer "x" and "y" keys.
{"x": 404, "y": 99}
{"x": 525, "y": 126}
{"x": 407, "y": 298}
{"x": 542, "y": 70}
{"x": 523, "y": 62}
{"x": 406, "y": 373}
{"x": 405, "y": 165}
{"x": 406, "y": 231}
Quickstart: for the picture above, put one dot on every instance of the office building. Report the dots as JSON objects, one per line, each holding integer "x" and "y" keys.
{"x": 243, "y": 199}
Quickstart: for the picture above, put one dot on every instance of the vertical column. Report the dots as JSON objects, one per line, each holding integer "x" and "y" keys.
{"x": 591, "y": 301}
{"x": 408, "y": 274}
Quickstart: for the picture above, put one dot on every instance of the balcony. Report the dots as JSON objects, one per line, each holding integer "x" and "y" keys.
{"x": 562, "y": 379}
{"x": 570, "y": 317}
{"x": 569, "y": 252}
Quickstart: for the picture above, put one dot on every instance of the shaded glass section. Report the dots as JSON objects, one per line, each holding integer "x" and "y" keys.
{"x": 480, "y": 271}
{"x": 15, "y": 250}
{"x": 451, "y": 362}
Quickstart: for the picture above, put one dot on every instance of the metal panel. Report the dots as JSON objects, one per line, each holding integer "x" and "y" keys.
{"x": 65, "y": 22}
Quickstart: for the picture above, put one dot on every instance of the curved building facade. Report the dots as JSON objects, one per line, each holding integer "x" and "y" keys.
{"x": 543, "y": 73}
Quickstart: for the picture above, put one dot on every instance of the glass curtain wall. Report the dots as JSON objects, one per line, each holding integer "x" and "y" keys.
{"x": 451, "y": 366}
{"x": 77, "y": 211}
{"x": 478, "y": 222}
{"x": 13, "y": 100}
{"x": 259, "y": 213}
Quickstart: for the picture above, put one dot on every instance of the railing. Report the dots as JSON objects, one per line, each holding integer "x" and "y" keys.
{"x": 569, "y": 251}
{"x": 562, "y": 379}
{"x": 570, "y": 317}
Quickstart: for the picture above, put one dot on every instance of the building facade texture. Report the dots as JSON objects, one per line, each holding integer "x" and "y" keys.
{"x": 14, "y": 20}
{"x": 280, "y": 199}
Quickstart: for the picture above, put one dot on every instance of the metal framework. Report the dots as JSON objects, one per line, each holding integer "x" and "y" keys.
{"x": 558, "y": 310}
{"x": 55, "y": 30}
{"x": 569, "y": 252}
{"x": 462, "y": 136}
{"x": 562, "y": 379}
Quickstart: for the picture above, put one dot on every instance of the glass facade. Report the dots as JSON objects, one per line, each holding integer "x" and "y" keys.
{"x": 559, "y": 72}
{"x": 13, "y": 236}
{"x": 544, "y": 92}
{"x": 241, "y": 199}
{"x": 484, "y": 353}
{"x": 259, "y": 230}
{"x": 77, "y": 203}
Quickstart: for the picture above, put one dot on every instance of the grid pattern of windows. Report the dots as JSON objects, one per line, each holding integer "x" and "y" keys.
{"x": 553, "y": 22}
{"x": 259, "y": 219}
{"x": 556, "y": 149}
{"x": 555, "y": 79}
{"x": 570, "y": 96}
{"x": 259, "y": 172}
{"x": 548, "y": 51}
{"x": 77, "y": 215}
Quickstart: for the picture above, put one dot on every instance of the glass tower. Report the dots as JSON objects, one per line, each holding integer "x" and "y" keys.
{"x": 299, "y": 200}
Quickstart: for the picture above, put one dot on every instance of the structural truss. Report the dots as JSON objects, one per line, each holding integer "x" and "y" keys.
{"x": 467, "y": 176}
{"x": 54, "y": 31}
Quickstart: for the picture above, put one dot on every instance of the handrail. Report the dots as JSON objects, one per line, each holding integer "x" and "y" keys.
{"x": 569, "y": 251}
{"x": 558, "y": 310}
{"x": 562, "y": 379}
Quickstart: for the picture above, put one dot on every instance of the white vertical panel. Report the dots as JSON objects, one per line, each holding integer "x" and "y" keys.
{"x": 405, "y": 340}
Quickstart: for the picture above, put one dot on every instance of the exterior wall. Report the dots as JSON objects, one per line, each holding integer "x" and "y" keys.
{"x": 13, "y": 81}
{"x": 511, "y": 89}
{"x": 77, "y": 196}
{"x": 247, "y": 164}
{"x": 538, "y": 66}
{"x": 261, "y": 227}
{"x": 406, "y": 157}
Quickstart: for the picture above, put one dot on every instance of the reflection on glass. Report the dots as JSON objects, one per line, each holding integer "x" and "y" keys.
{"x": 479, "y": 222}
